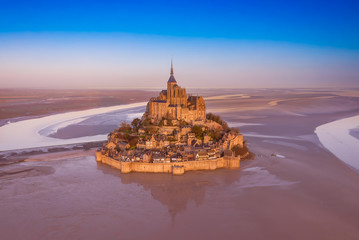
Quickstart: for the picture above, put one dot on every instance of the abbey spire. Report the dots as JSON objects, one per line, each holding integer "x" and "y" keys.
{"x": 172, "y": 79}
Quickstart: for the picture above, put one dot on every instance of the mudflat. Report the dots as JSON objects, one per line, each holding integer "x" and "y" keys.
{"x": 293, "y": 189}
{"x": 26, "y": 103}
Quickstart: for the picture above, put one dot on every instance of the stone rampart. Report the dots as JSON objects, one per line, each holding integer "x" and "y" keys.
{"x": 176, "y": 168}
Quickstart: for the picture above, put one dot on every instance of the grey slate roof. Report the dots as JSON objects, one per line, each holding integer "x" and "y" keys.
{"x": 172, "y": 79}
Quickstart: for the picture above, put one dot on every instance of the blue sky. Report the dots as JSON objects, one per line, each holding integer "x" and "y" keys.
{"x": 229, "y": 41}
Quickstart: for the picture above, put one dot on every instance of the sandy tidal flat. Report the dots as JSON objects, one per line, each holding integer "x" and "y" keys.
{"x": 294, "y": 188}
{"x": 36, "y": 132}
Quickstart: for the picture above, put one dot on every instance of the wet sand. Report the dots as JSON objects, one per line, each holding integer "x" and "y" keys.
{"x": 39, "y": 132}
{"x": 354, "y": 132}
{"x": 20, "y": 104}
{"x": 293, "y": 189}
{"x": 61, "y": 196}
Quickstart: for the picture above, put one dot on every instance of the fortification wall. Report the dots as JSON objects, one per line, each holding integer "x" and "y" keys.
{"x": 152, "y": 167}
{"x": 176, "y": 168}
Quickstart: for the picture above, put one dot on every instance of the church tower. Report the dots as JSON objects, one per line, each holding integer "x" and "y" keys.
{"x": 174, "y": 103}
{"x": 176, "y": 96}
{"x": 171, "y": 81}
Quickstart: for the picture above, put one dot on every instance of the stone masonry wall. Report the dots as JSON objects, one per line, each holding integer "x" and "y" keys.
{"x": 176, "y": 168}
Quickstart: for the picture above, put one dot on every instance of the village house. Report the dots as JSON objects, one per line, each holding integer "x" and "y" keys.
{"x": 158, "y": 157}
{"x": 164, "y": 134}
{"x": 151, "y": 143}
{"x": 201, "y": 155}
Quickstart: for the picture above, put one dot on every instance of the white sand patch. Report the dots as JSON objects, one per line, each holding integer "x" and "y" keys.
{"x": 221, "y": 97}
{"x": 28, "y": 133}
{"x": 336, "y": 138}
{"x": 274, "y": 103}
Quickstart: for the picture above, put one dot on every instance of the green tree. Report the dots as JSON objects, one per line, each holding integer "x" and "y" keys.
{"x": 216, "y": 135}
{"x": 239, "y": 150}
{"x": 136, "y": 124}
{"x": 197, "y": 130}
{"x": 125, "y": 127}
{"x": 133, "y": 141}
{"x": 217, "y": 119}
{"x": 147, "y": 122}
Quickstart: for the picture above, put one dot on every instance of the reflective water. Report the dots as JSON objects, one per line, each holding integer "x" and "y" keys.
{"x": 80, "y": 199}
{"x": 37, "y": 132}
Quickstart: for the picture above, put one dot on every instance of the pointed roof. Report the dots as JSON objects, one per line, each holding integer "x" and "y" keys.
{"x": 172, "y": 78}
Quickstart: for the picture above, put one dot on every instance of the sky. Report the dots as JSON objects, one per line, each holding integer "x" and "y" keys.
{"x": 214, "y": 44}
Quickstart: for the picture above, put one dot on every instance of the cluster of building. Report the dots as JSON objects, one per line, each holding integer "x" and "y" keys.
{"x": 171, "y": 117}
{"x": 183, "y": 145}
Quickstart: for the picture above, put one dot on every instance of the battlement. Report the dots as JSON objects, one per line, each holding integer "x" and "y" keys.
{"x": 176, "y": 168}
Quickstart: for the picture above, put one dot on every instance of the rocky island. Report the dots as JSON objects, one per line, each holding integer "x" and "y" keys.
{"x": 174, "y": 135}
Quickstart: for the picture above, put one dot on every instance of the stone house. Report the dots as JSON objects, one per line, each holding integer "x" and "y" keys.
{"x": 158, "y": 157}
{"x": 111, "y": 145}
{"x": 206, "y": 139}
{"x": 195, "y": 143}
{"x": 202, "y": 155}
{"x": 141, "y": 131}
{"x": 151, "y": 143}
{"x": 188, "y": 156}
{"x": 141, "y": 144}
{"x": 229, "y": 140}
{"x": 185, "y": 130}
{"x": 123, "y": 145}
{"x": 177, "y": 157}
{"x": 212, "y": 154}
{"x": 146, "y": 157}
{"x": 167, "y": 130}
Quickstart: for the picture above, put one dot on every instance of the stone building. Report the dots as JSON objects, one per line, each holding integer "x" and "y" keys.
{"x": 230, "y": 140}
{"x": 174, "y": 103}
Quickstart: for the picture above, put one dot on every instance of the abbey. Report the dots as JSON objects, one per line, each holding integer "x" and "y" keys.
{"x": 174, "y": 103}
{"x": 174, "y": 135}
